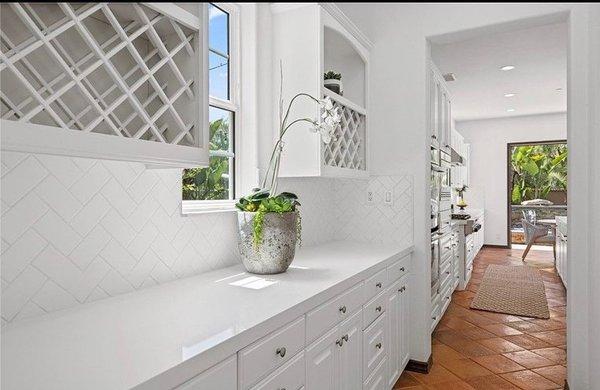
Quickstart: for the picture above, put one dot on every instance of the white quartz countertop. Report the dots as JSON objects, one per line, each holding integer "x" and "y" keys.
{"x": 159, "y": 337}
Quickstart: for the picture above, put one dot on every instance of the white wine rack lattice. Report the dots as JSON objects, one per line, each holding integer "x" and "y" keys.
{"x": 119, "y": 69}
{"x": 347, "y": 148}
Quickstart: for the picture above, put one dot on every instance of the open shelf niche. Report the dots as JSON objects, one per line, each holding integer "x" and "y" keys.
{"x": 330, "y": 41}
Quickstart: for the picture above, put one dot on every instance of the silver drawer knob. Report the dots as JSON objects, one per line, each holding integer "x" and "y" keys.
{"x": 281, "y": 351}
{"x": 378, "y": 308}
{"x": 345, "y": 337}
{"x": 343, "y": 309}
{"x": 402, "y": 269}
{"x": 340, "y": 342}
{"x": 378, "y": 345}
{"x": 378, "y": 284}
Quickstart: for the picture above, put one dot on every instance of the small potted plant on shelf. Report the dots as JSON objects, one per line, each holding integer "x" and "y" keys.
{"x": 333, "y": 82}
{"x": 269, "y": 224}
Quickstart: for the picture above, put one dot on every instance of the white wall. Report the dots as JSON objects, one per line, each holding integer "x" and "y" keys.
{"x": 398, "y": 111}
{"x": 78, "y": 230}
{"x": 489, "y": 139}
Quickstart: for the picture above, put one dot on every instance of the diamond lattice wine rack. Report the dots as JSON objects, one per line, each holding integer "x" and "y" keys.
{"x": 104, "y": 80}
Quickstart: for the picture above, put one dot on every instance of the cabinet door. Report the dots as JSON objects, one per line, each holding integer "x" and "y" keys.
{"x": 350, "y": 354}
{"x": 321, "y": 362}
{"x": 393, "y": 325}
{"x": 404, "y": 322}
{"x": 433, "y": 109}
{"x": 223, "y": 376}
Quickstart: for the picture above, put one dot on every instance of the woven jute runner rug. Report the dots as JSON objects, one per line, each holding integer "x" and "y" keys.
{"x": 516, "y": 290}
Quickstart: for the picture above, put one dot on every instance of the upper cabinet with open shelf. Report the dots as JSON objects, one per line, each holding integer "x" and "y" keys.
{"x": 122, "y": 81}
{"x": 310, "y": 40}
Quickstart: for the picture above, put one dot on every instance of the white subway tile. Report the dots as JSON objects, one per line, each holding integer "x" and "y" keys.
{"x": 21, "y": 180}
{"x": 21, "y": 253}
{"x": 54, "y": 229}
{"x": 16, "y": 295}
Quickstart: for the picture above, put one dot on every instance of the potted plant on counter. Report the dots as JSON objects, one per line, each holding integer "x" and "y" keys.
{"x": 269, "y": 224}
{"x": 333, "y": 82}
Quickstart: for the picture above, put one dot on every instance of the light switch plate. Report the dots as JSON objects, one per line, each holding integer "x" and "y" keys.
{"x": 388, "y": 198}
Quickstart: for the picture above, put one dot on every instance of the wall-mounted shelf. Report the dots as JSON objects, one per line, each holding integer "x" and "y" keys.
{"x": 123, "y": 81}
{"x": 329, "y": 42}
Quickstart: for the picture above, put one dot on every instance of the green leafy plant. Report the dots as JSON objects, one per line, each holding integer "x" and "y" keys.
{"x": 261, "y": 203}
{"x": 332, "y": 75}
{"x": 537, "y": 170}
{"x": 209, "y": 183}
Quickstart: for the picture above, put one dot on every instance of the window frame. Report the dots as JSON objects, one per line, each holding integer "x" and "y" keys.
{"x": 232, "y": 105}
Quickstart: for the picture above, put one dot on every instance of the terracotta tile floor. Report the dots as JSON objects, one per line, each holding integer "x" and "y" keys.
{"x": 475, "y": 349}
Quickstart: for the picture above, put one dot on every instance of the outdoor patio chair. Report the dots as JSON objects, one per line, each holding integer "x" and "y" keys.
{"x": 530, "y": 215}
{"x": 539, "y": 234}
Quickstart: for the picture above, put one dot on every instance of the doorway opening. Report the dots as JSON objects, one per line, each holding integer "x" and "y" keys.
{"x": 536, "y": 193}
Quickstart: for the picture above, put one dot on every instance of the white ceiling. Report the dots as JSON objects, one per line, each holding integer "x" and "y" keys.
{"x": 539, "y": 55}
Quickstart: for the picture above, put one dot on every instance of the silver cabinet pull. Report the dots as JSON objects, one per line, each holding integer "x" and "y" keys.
{"x": 378, "y": 345}
{"x": 378, "y": 284}
{"x": 343, "y": 309}
{"x": 280, "y": 351}
{"x": 345, "y": 337}
{"x": 378, "y": 308}
{"x": 340, "y": 342}
{"x": 402, "y": 269}
{"x": 402, "y": 289}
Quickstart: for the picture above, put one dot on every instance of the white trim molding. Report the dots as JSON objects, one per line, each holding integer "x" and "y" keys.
{"x": 207, "y": 206}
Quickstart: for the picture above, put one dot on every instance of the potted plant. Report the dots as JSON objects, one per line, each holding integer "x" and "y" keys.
{"x": 269, "y": 223}
{"x": 333, "y": 82}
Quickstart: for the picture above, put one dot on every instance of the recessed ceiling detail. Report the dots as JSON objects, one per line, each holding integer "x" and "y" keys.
{"x": 525, "y": 67}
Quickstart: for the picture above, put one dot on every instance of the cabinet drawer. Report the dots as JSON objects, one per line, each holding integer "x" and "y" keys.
{"x": 268, "y": 353}
{"x": 377, "y": 380}
{"x": 398, "y": 269}
{"x": 222, "y": 376}
{"x": 375, "y": 284}
{"x": 374, "y": 346}
{"x": 374, "y": 309}
{"x": 324, "y": 317}
{"x": 290, "y": 376}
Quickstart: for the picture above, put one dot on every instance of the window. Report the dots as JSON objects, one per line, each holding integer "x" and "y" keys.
{"x": 207, "y": 188}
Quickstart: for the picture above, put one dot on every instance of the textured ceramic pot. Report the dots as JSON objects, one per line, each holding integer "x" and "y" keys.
{"x": 277, "y": 248}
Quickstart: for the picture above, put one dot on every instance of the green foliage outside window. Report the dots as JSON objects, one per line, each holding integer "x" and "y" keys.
{"x": 537, "y": 170}
{"x": 209, "y": 183}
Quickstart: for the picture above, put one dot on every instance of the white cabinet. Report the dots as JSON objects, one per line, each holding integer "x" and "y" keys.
{"x": 289, "y": 376}
{"x": 440, "y": 110}
{"x": 398, "y": 330}
{"x": 335, "y": 360}
{"x": 351, "y": 353}
{"x": 329, "y": 42}
{"x": 394, "y": 333}
{"x": 268, "y": 353}
{"x": 222, "y": 376}
{"x": 129, "y": 86}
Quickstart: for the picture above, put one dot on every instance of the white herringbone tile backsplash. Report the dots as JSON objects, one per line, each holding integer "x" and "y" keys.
{"x": 77, "y": 230}
{"x": 376, "y": 221}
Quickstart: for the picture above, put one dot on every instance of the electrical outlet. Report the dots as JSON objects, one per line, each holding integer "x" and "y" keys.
{"x": 388, "y": 198}
{"x": 369, "y": 196}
